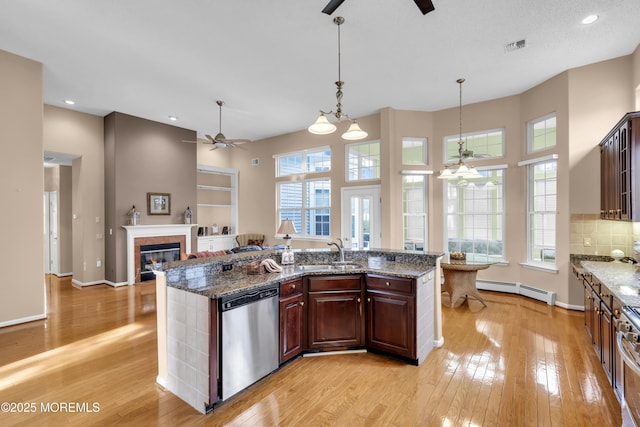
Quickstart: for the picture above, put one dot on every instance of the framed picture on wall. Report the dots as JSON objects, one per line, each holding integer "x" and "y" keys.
{"x": 158, "y": 204}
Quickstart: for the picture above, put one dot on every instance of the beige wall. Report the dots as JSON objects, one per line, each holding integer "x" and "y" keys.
{"x": 22, "y": 177}
{"x": 71, "y": 132}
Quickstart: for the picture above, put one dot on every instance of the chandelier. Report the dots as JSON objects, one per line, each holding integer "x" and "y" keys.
{"x": 322, "y": 125}
{"x": 462, "y": 171}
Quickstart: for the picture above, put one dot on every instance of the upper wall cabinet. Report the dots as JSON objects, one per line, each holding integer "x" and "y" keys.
{"x": 620, "y": 169}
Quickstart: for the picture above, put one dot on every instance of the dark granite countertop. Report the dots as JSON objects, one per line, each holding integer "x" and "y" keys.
{"x": 205, "y": 278}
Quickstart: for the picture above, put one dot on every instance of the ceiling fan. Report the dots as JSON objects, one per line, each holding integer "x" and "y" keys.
{"x": 221, "y": 141}
{"x": 425, "y": 6}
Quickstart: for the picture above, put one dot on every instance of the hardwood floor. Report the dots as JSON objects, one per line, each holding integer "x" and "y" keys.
{"x": 516, "y": 362}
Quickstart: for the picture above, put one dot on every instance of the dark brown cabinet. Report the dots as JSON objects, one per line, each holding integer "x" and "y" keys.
{"x": 619, "y": 198}
{"x": 335, "y": 312}
{"x": 391, "y": 314}
{"x": 291, "y": 319}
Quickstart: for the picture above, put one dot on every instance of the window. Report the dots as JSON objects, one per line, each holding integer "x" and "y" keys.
{"x": 542, "y": 189}
{"x": 477, "y": 145}
{"x": 414, "y": 212}
{"x": 414, "y": 151}
{"x": 363, "y": 161}
{"x": 541, "y": 133}
{"x": 475, "y": 215}
{"x": 308, "y": 204}
{"x": 308, "y": 161}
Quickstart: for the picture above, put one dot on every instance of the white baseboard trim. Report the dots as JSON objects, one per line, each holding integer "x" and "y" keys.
{"x": 570, "y": 306}
{"x": 438, "y": 343}
{"x": 64, "y": 274}
{"x": 84, "y": 284}
{"x": 161, "y": 382}
{"x": 22, "y": 320}
{"x": 519, "y": 289}
{"x": 115, "y": 284}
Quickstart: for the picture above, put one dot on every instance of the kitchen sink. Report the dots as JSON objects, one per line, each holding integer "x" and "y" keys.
{"x": 327, "y": 267}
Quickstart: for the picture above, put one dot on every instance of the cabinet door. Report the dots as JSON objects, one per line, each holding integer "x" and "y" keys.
{"x": 607, "y": 340}
{"x": 291, "y": 326}
{"x": 588, "y": 310}
{"x": 391, "y": 323}
{"x": 624, "y": 174}
{"x": 335, "y": 319}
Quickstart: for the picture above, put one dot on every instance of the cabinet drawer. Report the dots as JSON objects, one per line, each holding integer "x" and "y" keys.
{"x": 334, "y": 283}
{"x": 394, "y": 284}
{"x": 292, "y": 287}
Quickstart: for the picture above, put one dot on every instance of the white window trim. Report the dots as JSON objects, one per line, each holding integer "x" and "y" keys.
{"x": 529, "y": 129}
{"x": 301, "y": 152}
{"x": 425, "y": 152}
{"x": 457, "y": 137}
{"x": 504, "y": 260}
{"x": 530, "y": 262}
{"x": 301, "y": 235}
{"x": 346, "y": 162}
{"x": 426, "y": 208}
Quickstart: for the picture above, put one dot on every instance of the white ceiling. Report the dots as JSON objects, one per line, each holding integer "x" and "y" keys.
{"x": 274, "y": 63}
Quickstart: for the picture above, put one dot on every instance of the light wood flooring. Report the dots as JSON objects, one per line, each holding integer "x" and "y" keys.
{"x": 516, "y": 362}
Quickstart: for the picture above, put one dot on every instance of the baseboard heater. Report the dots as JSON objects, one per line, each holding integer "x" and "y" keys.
{"x": 518, "y": 289}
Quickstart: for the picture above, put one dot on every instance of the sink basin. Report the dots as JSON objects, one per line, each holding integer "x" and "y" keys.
{"x": 327, "y": 267}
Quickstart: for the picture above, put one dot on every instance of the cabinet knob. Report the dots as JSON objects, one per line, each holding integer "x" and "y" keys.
{"x": 387, "y": 283}
{"x": 368, "y": 299}
{"x": 293, "y": 286}
{"x": 301, "y": 303}
{"x": 358, "y": 299}
{"x": 616, "y": 312}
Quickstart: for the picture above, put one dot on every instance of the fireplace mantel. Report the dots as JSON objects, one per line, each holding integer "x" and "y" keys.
{"x": 158, "y": 230}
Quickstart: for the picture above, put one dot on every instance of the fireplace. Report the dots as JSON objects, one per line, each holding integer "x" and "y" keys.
{"x": 139, "y": 236}
{"x": 153, "y": 256}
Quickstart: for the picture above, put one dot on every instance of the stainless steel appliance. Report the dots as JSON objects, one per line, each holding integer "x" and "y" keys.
{"x": 249, "y": 338}
{"x": 628, "y": 343}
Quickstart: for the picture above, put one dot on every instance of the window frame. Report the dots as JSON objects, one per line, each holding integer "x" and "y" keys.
{"x": 530, "y": 129}
{"x": 424, "y": 214}
{"x": 425, "y": 149}
{"x": 347, "y": 168}
{"x": 304, "y": 164}
{"x": 502, "y": 213}
{"x": 454, "y": 139}
{"x": 531, "y": 211}
{"x": 305, "y": 208}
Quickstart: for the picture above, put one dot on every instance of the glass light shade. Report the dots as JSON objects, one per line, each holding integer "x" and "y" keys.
{"x": 322, "y": 126}
{"x": 446, "y": 174}
{"x": 354, "y": 133}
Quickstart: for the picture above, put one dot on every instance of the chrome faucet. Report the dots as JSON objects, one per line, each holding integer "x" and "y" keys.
{"x": 340, "y": 248}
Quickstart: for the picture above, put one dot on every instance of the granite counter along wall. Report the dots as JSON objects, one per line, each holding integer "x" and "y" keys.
{"x": 183, "y": 332}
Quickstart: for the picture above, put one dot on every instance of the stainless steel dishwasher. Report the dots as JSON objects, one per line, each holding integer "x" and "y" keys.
{"x": 249, "y": 338}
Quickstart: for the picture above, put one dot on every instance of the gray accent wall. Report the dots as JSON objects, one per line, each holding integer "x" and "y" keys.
{"x": 143, "y": 156}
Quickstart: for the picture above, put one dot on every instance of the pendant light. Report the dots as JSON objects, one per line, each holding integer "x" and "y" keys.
{"x": 322, "y": 125}
{"x": 462, "y": 171}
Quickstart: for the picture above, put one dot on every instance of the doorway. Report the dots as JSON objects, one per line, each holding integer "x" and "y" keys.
{"x": 51, "y": 253}
{"x": 361, "y": 227}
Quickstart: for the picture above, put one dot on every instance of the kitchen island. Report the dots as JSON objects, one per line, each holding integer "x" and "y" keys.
{"x": 385, "y": 301}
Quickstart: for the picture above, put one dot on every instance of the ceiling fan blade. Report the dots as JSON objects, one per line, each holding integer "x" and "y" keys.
{"x": 332, "y": 6}
{"x": 425, "y": 6}
{"x": 210, "y": 138}
{"x": 237, "y": 141}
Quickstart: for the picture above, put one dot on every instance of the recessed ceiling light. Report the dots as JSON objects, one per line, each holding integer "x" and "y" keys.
{"x": 590, "y": 19}
{"x": 173, "y": 118}
{"x": 69, "y": 102}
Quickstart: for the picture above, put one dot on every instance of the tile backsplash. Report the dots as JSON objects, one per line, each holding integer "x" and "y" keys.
{"x": 593, "y": 236}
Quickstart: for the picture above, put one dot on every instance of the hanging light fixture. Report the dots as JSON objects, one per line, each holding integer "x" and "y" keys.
{"x": 322, "y": 125}
{"x": 462, "y": 171}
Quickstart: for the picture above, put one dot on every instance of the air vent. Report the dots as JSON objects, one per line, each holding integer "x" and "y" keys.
{"x": 520, "y": 44}
{"x": 255, "y": 162}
